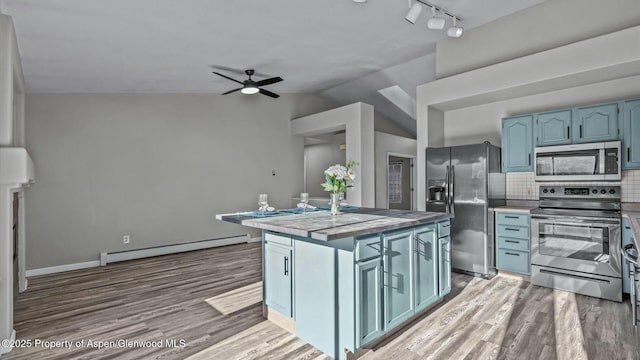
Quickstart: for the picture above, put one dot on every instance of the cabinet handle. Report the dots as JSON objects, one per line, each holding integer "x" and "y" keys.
{"x": 511, "y": 229}
{"x": 529, "y": 159}
{"x": 510, "y": 253}
{"x": 511, "y": 217}
{"x": 580, "y": 131}
{"x": 628, "y": 154}
{"x": 286, "y": 265}
{"x": 568, "y": 132}
{"x": 512, "y": 241}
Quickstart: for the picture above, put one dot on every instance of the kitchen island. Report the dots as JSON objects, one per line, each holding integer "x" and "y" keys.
{"x": 342, "y": 282}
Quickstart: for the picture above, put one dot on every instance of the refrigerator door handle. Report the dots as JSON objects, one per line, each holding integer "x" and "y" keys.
{"x": 452, "y": 206}
{"x": 447, "y": 195}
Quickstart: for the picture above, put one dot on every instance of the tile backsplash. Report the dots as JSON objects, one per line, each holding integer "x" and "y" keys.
{"x": 522, "y": 186}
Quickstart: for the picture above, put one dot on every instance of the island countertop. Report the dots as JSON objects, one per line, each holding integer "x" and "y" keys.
{"x": 325, "y": 227}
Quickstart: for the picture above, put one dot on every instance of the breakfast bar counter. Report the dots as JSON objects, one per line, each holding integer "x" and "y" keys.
{"x": 344, "y": 282}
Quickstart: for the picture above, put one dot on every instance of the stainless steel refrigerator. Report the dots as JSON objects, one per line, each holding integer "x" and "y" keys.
{"x": 467, "y": 182}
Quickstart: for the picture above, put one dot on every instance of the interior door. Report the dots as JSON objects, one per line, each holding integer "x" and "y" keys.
{"x": 469, "y": 204}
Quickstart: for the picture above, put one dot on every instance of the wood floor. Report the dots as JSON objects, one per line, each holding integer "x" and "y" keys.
{"x": 166, "y": 298}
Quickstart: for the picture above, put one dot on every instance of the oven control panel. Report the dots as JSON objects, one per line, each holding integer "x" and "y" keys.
{"x": 579, "y": 192}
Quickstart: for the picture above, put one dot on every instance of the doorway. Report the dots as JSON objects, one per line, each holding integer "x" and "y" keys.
{"x": 400, "y": 182}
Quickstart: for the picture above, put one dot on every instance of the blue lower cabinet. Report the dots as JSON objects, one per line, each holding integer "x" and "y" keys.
{"x": 426, "y": 266}
{"x": 444, "y": 279}
{"x": 513, "y": 260}
{"x": 398, "y": 277}
{"x": 369, "y": 301}
{"x": 277, "y": 263}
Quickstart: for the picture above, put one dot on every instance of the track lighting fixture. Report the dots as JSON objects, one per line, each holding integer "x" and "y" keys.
{"x": 455, "y": 31}
{"x": 435, "y": 23}
{"x": 414, "y": 13}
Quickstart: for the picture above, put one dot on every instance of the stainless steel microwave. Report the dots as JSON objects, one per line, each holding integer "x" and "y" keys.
{"x": 580, "y": 162}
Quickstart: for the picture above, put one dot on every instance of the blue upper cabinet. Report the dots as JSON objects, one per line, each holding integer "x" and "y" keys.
{"x": 517, "y": 144}
{"x": 553, "y": 128}
{"x": 398, "y": 277}
{"x": 596, "y": 123}
{"x": 426, "y": 266}
{"x": 631, "y": 135}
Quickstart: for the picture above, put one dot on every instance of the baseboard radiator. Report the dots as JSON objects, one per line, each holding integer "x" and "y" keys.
{"x": 112, "y": 257}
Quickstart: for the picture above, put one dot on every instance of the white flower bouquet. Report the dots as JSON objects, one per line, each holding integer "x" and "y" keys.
{"x": 337, "y": 177}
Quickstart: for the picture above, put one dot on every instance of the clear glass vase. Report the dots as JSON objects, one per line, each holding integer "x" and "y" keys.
{"x": 335, "y": 203}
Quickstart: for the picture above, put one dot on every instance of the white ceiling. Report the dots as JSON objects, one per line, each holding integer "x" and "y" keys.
{"x": 156, "y": 46}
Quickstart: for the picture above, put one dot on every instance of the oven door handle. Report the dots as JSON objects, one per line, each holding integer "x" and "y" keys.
{"x": 582, "y": 224}
{"x": 553, "y": 219}
{"x": 629, "y": 257}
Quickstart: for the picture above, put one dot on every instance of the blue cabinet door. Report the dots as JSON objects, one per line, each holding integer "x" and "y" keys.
{"x": 369, "y": 301}
{"x": 517, "y": 144}
{"x": 553, "y": 128}
{"x": 277, "y": 278}
{"x": 631, "y": 135}
{"x": 445, "y": 266}
{"x": 426, "y": 266}
{"x": 596, "y": 123}
{"x": 398, "y": 277}
{"x": 627, "y": 238}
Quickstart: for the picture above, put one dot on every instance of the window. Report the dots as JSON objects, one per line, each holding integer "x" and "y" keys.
{"x": 394, "y": 183}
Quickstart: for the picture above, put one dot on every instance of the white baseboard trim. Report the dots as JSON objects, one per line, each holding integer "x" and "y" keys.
{"x": 107, "y": 258}
{"x": 62, "y": 268}
{"x": 5, "y": 349}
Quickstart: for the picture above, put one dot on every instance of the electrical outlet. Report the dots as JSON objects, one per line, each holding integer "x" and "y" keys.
{"x": 125, "y": 239}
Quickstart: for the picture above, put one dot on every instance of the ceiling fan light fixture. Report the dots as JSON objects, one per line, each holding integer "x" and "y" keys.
{"x": 414, "y": 13}
{"x": 249, "y": 89}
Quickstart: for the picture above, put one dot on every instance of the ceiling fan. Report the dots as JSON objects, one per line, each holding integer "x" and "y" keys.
{"x": 250, "y": 86}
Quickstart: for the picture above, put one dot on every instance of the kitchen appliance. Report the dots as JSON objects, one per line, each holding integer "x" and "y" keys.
{"x": 580, "y": 162}
{"x": 575, "y": 240}
{"x": 466, "y": 181}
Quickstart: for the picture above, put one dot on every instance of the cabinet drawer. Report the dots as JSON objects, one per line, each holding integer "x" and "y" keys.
{"x": 510, "y": 231}
{"x": 512, "y": 219}
{"x": 444, "y": 228}
{"x": 513, "y": 260}
{"x": 368, "y": 247}
{"x": 513, "y": 244}
{"x": 280, "y": 239}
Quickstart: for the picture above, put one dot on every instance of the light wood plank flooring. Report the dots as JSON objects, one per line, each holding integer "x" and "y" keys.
{"x": 165, "y": 298}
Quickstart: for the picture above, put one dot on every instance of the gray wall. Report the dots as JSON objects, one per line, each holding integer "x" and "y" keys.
{"x": 319, "y": 158}
{"x": 542, "y": 27}
{"x": 156, "y": 167}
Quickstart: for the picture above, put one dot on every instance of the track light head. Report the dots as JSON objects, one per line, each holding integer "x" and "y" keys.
{"x": 414, "y": 13}
{"x": 455, "y": 31}
{"x": 435, "y": 23}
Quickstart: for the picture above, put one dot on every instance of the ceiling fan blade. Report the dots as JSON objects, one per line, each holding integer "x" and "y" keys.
{"x": 273, "y": 80}
{"x": 269, "y": 93}
{"x": 232, "y": 91}
{"x": 226, "y": 77}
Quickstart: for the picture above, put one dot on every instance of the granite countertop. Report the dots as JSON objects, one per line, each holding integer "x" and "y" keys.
{"x": 323, "y": 226}
{"x": 523, "y": 209}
